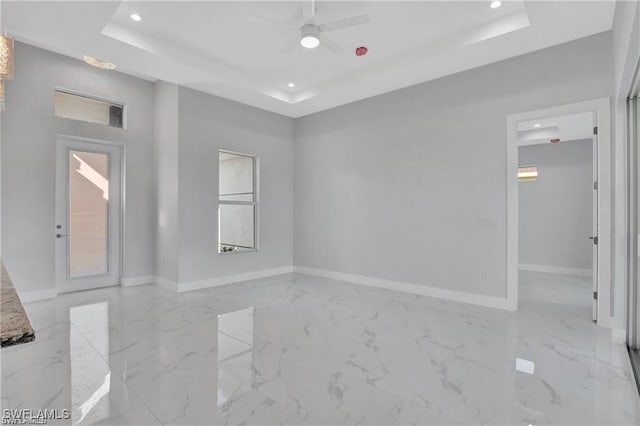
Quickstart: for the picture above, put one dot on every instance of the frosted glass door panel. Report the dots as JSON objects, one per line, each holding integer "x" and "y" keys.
{"x": 88, "y": 213}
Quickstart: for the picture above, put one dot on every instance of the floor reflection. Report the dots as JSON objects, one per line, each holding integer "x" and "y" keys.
{"x": 235, "y": 354}
{"x": 90, "y": 375}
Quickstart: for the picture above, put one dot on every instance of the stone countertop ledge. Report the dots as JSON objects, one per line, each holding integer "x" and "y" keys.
{"x": 15, "y": 327}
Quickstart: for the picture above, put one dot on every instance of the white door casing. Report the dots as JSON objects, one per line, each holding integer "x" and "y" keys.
{"x": 602, "y": 109}
{"x": 88, "y": 216}
{"x": 594, "y": 229}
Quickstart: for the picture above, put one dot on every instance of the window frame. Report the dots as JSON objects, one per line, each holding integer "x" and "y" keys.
{"x": 255, "y": 203}
{"x": 78, "y": 93}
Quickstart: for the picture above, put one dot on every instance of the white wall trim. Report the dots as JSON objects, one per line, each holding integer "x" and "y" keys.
{"x": 422, "y": 290}
{"x": 582, "y": 272}
{"x": 134, "y": 281}
{"x": 230, "y": 279}
{"x": 37, "y": 295}
{"x": 164, "y": 283}
{"x": 602, "y": 108}
{"x": 619, "y": 336}
{"x": 219, "y": 281}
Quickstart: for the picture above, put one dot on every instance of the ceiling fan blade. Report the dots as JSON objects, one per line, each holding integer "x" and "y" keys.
{"x": 290, "y": 46}
{"x": 309, "y": 11}
{"x": 330, "y": 44}
{"x": 344, "y": 23}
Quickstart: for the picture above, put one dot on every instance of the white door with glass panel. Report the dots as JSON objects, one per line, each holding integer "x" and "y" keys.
{"x": 88, "y": 214}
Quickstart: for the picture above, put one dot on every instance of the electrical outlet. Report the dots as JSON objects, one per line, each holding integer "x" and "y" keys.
{"x": 483, "y": 273}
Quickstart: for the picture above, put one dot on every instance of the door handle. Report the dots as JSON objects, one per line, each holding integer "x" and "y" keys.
{"x": 61, "y": 235}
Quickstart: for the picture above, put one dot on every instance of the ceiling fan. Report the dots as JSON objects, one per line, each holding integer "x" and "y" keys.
{"x": 313, "y": 34}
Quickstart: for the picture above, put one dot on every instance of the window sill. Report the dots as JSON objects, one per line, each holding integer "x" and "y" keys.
{"x": 230, "y": 253}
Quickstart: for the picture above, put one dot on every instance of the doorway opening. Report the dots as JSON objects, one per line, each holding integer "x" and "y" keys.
{"x": 89, "y": 214}
{"x": 563, "y": 155}
{"x": 557, "y": 212}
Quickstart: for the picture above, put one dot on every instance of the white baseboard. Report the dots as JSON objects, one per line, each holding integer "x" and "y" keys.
{"x": 619, "y": 336}
{"x": 422, "y": 290}
{"x": 230, "y": 279}
{"x": 164, "y": 283}
{"x": 37, "y": 295}
{"x": 555, "y": 269}
{"x": 134, "y": 281}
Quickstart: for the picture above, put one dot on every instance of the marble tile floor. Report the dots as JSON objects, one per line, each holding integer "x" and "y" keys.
{"x": 296, "y": 349}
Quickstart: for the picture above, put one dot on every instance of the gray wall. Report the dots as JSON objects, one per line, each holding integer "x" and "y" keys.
{"x": 410, "y": 185}
{"x": 165, "y": 137}
{"x": 406, "y": 186}
{"x": 555, "y": 212}
{"x": 29, "y": 131}
{"x": 206, "y": 125}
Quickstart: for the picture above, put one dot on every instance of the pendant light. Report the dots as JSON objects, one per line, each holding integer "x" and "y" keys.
{"x": 6, "y": 57}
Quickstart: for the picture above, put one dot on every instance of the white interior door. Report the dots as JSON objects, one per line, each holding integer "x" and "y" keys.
{"x": 88, "y": 214}
{"x": 594, "y": 230}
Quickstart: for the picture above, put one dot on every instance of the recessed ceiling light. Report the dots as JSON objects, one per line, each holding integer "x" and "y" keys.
{"x": 536, "y": 125}
{"x": 496, "y": 4}
{"x": 135, "y": 17}
{"x": 310, "y": 41}
{"x": 291, "y": 85}
{"x": 98, "y": 63}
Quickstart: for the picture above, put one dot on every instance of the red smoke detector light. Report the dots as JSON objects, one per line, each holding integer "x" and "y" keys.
{"x": 361, "y": 51}
{"x": 555, "y": 140}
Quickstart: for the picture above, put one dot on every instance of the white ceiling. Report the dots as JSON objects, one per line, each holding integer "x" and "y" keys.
{"x": 566, "y": 128}
{"x": 235, "y": 49}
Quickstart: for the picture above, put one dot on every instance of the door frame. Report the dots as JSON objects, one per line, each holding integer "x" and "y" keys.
{"x": 123, "y": 176}
{"x": 602, "y": 109}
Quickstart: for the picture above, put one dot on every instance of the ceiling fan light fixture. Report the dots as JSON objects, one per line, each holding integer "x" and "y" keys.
{"x": 310, "y": 41}
{"x": 310, "y": 36}
{"x": 98, "y": 63}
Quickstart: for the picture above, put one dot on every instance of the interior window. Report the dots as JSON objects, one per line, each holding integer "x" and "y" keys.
{"x": 236, "y": 203}
{"x": 86, "y": 108}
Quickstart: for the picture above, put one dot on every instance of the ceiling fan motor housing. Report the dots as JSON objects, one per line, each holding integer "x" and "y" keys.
{"x": 310, "y": 30}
